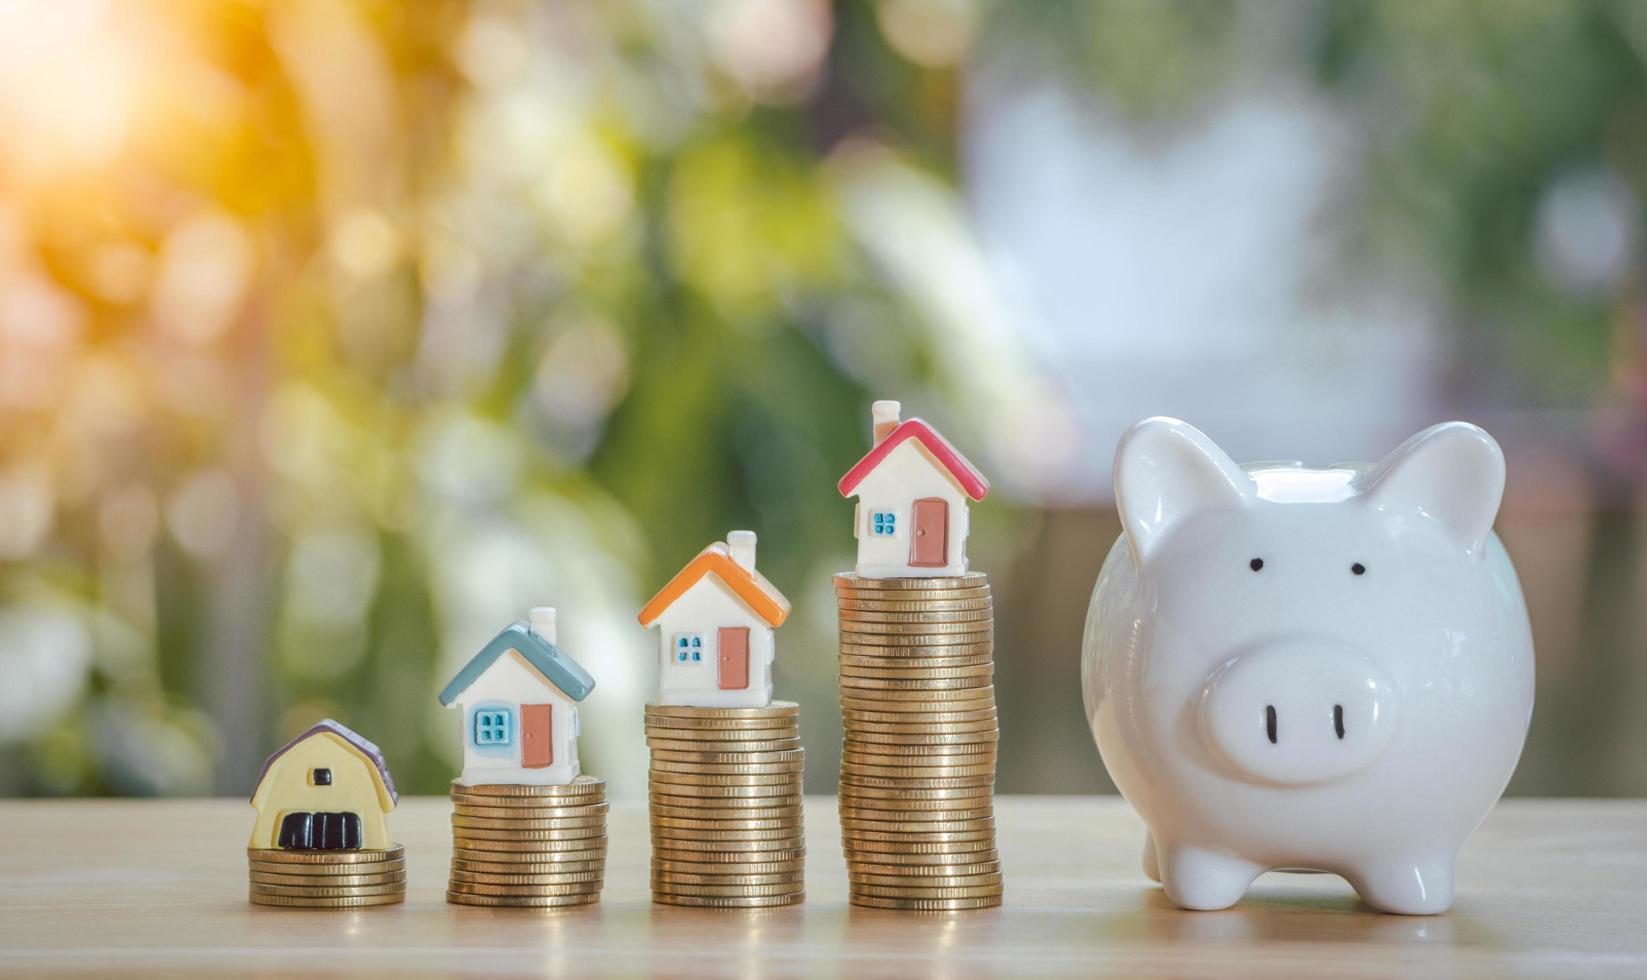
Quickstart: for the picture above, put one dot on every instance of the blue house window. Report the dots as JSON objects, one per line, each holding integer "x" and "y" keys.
{"x": 688, "y": 647}
{"x": 492, "y": 728}
{"x": 883, "y": 523}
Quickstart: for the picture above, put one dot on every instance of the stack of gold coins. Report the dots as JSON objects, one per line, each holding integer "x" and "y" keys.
{"x": 918, "y": 759}
{"x": 528, "y": 846}
{"x": 726, "y": 805}
{"x": 327, "y": 879}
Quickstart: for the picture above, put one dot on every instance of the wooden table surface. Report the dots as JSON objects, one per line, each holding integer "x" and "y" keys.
{"x": 1546, "y": 888}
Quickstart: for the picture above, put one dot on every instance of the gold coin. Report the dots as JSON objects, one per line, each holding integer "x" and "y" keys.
{"x": 937, "y": 738}
{"x": 482, "y": 850}
{"x": 901, "y": 891}
{"x": 939, "y": 650}
{"x": 878, "y": 793}
{"x": 732, "y": 758}
{"x": 889, "y": 754}
{"x": 729, "y": 769}
{"x": 727, "y": 845}
{"x": 522, "y": 901}
{"x": 953, "y": 600}
{"x": 773, "y": 709}
{"x": 529, "y": 812}
{"x": 898, "y": 720}
{"x": 920, "y": 782}
{"x": 970, "y": 631}
{"x": 524, "y": 881}
{"x": 723, "y": 868}
{"x": 329, "y": 891}
{"x": 912, "y": 848}
{"x": 527, "y": 823}
{"x": 857, "y": 800}
{"x": 580, "y": 786}
{"x": 925, "y": 904}
{"x": 279, "y": 856}
{"x": 738, "y": 736}
{"x": 327, "y": 870}
{"x": 705, "y": 798}
{"x": 980, "y": 880}
{"x": 722, "y": 902}
{"x": 915, "y": 826}
{"x": 688, "y": 878}
{"x": 924, "y": 617}
{"x": 962, "y": 699}
{"x": 713, "y": 821}
{"x": 527, "y": 868}
{"x": 909, "y": 672}
{"x": 725, "y": 778}
{"x": 693, "y": 816}
{"x": 958, "y": 854}
{"x": 872, "y": 686}
{"x": 984, "y": 831}
{"x": 757, "y": 792}
{"x": 985, "y": 724}
{"x": 563, "y": 888}
{"x": 676, "y": 888}
{"x": 864, "y": 815}
{"x": 751, "y": 746}
{"x": 864, "y": 864}
{"x": 593, "y": 832}
{"x": 735, "y": 856}
{"x": 665, "y": 834}
{"x": 310, "y": 881}
{"x": 893, "y": 666}
{"x": 340, "y": 902}
{"x": 966, "y": 580}
{"x": 515, "y": 803}
{"x": 676, "y": 722}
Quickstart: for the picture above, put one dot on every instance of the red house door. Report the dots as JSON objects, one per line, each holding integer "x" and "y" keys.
{"x": 537, "y": 738}
{"x": 929, "y": 545}
{"x": 732, "y": 658}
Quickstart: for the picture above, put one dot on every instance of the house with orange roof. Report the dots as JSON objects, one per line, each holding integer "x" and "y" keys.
{"x": 912, "y": 488}
{"x": 716, "y": 619}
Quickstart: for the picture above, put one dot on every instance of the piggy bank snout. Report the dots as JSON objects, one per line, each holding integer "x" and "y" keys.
{"x": 1298, "y": 714}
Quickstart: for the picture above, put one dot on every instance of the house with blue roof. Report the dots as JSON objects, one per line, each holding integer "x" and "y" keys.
{"x": 518, "y": 698}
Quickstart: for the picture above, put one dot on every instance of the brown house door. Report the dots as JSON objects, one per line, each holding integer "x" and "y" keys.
{"x": 929, "y": 545}
{"x": 537, "y": 735}
{"x": 732, "y": 658}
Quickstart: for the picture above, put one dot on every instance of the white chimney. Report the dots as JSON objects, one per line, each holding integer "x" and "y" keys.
{"x": 885, "y": 416}
{"x": 742, "y": 546}
{"x": 542, "y": 621}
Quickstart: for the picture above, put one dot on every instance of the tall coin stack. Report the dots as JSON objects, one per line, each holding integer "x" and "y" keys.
{"x": 327, "y": 879}
{"x": 726, "y": 805}
{"x": 918, "y": 759}
{"x": 528, "y": 846}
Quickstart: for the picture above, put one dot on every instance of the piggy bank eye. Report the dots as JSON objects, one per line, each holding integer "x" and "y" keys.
{"x": 1257, "y": 564}
{"x": 1358, "y": 569}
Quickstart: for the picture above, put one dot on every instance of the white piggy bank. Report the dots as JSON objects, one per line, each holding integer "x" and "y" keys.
{"x": 1290, "y": 668}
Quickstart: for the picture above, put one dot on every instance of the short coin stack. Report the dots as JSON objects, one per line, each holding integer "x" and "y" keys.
{"x": 726, "y": 805}
{"x": 918, "y": 760}
{"x": 327, "y": 879}
{"x": 528, "y": 846}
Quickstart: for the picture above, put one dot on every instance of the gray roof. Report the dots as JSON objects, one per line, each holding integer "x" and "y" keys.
{"x": 342, "y": 731}
{"x": 561, "y": 670}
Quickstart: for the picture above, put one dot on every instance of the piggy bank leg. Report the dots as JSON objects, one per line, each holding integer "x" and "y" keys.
{"x": 1152, "y": 867}
{"x": 1200, "y": 879}
{"x": 1407, "y": 885}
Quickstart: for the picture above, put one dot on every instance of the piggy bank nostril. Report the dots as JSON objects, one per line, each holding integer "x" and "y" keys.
{"x": 1270, "y": 722}
{"x": 1338, "y": 720}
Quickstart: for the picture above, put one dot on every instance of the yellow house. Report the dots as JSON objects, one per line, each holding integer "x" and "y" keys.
{"x": 328, "y": 789}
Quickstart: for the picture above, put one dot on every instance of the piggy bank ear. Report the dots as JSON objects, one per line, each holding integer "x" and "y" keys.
{"x": 1452, "y": 473}
{"x": 1166, "y": 471}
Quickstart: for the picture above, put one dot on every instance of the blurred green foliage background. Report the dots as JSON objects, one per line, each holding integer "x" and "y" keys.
{"x": 335, "y": 334}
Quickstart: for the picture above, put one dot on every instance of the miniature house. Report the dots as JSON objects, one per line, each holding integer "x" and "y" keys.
{"x": 716, "y": 619}
{"x": 912, "y": 491}
{"x": 328, "y": 789}
{"x": 518, "y": 699}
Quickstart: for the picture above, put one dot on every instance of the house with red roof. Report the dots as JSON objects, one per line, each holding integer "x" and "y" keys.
{"x": 912, "y": 488}
{"x": 715, "y": 621}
